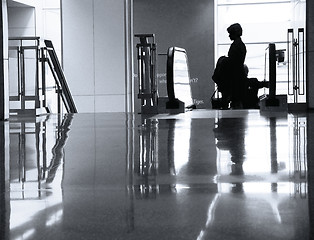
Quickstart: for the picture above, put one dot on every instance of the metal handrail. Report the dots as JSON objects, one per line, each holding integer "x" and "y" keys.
{"x": 60, "y": 79}
{"x": 43, "y": 55}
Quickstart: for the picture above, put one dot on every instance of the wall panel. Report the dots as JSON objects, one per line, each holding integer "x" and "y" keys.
{"x": 186, "y": 24}
{"x": 93, "y": 52}
{"x": 78, "y": 56}
{"x": 109, "y": 47}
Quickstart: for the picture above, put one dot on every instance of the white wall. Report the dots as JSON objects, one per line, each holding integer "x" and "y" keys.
{"x": 298, "y": 12}
{"x": 48, "y": 22}
{"x": 21, "y": 21}
{"x": 29, "y": 18}
{"x": 48, "y": 26}
{"x": 93, "y": 53}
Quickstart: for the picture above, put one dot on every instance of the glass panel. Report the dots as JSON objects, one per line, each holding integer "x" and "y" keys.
{"x": 181, "y": 78}
{"x": 30, "y": 72}
{"x": 234, "y": 2}
{"x": 258, "y": 32}
{"x": 13, "y": 73}
{"x": 301, "y": 70}
{"x": 256, "y": 26}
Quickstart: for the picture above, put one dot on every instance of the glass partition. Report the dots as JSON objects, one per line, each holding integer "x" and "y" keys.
{"x": 178, "y": 76}
{"x": 263, "y": 22}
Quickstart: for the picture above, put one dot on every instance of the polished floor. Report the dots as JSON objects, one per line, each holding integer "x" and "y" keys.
{"x": 204, "y": 174}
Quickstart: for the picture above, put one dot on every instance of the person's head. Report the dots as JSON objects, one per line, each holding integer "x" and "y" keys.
{"x": 235, "y": 31}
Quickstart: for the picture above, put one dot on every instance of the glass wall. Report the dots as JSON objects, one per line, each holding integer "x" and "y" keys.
{"x": 263, "y": 22}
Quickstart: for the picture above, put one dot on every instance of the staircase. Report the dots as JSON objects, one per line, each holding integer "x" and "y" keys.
{"x": 28, "y": 78}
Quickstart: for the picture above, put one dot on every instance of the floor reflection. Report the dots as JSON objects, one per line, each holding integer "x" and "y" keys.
{"x": 127, "y": 177}
{"x": 274, "y": 179}
{"x": 36, "y": 173}
{"x": 58, "y": 148}
{"x": 230, "y": 136}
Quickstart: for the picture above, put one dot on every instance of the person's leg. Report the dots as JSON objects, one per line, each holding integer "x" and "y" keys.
{"x": 225, "y": 100}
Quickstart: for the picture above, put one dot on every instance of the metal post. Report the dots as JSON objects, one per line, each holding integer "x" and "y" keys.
{"x": 296, "y": 70}
{"x": 37, "y": 101}
{"x": 2, "y": 73}
{"x": 272, "y": 100}
{"x": 301, "y": 60}
{"x": 272, "y": 70}
{"x": 296, "y": 64}
{"x": 43, "y": 76}
{"x": 139, "y": 71}
{"x": 59, "y": 99}
{"x": 146, "y": 57}
{"x": 290, "y": 43}
{"x": 18, "y": 74}
{"x": 154, "y": 74}
{"x": 22, "y": 78}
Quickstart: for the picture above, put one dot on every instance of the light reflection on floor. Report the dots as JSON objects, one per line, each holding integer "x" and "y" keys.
{"x": 200, "y": 175}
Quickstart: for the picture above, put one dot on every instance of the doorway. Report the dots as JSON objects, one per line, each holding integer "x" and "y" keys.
{"x": 263, "y": 22}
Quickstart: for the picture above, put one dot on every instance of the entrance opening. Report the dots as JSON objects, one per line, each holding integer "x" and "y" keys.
{"x": 263, "y": 22}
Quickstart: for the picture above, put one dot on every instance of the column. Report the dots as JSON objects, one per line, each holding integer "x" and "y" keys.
{"x": 310, "y": 52}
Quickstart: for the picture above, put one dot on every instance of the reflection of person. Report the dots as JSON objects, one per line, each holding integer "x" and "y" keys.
{"x": 228, "y": 132}
{"x": 236, "y": 58}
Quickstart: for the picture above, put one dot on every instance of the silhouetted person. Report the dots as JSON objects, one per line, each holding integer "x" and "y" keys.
{"x": 236, "y": 58}
{"x": 251, "y": 100}
{"x": 221, "y": 78}
{"x": 229, "y": 73}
